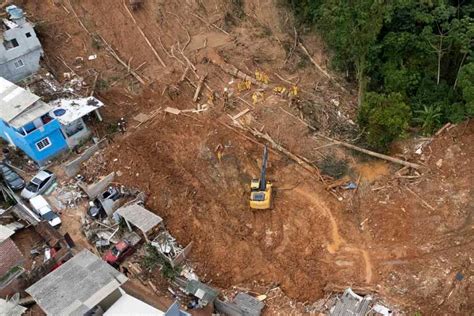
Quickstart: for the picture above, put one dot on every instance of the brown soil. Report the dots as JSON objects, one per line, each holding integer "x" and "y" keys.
{"x": 382, "y": 236}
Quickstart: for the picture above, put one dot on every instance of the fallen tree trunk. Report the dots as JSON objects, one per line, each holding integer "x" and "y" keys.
{"x": 144, "y": 36}
{"x": 302, "y": 161}
{"x": 359, "y": 149}
{"x": 378, "y": 155}
{"x": 325, "y": 73}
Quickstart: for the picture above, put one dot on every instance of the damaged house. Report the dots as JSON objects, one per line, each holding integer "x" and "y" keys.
{"x": 41, "y": 130}
{"x": 21, "y": 51}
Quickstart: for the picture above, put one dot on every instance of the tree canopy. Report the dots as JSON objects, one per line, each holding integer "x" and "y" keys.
{"x": 421, "y": 51}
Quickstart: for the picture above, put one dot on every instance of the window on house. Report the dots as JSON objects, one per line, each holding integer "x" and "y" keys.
{"x": 28, "y": 35}
{"x": 19, "y": 63}
{"x": 42, "y": 144}
{"x": 10, "y": 44}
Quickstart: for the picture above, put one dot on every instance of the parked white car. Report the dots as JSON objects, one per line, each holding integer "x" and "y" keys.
{"x": 39, "y": 184}
{"x": 41, "y": 207}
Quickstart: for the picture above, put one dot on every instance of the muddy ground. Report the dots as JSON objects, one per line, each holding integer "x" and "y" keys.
{"x": 405, "y": 236}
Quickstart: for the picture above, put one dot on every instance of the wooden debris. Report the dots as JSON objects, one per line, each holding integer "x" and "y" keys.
{"x": 174, "y": 111}
{"x": 153, "y": 286}
{"x": 324, "y": 72}
{"x": 123, "y": 63}
{"x": 78, "y": 19}
{"x": 240, "y": 114}
{"x": 421, "y": 200}
{"x": 337, "y": 183}
{"x": 442, "y": 129}
{"x": 302, "y": 161}
{"x": 359, "y": 149}
{"x": 210, "y": 24}
{"x": 234, "y": 71}
{"x": 144, "y": 36}
{"x": 199, "y": 87}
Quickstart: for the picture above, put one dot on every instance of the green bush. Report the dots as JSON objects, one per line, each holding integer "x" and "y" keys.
{"x": 385, "y": 118}
{"x": 466, "y": 83}
{"x": 429, "y": 118}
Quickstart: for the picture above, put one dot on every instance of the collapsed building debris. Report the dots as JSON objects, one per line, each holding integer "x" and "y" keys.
{"x": 169, "y": 248}
{"x": 349, "y": 303}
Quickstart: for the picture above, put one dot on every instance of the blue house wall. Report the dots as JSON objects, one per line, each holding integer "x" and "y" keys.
{"x": 27, "y": 143}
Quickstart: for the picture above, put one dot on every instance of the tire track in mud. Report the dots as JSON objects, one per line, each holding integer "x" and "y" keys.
{"x": 338, "y": 243}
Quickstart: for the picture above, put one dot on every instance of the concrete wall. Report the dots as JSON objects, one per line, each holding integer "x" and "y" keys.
{"x": 182, "y": 256}
{"x": 27, "y": 143}
{"x": 29, "y": 51}
{"x": 227, "y": 308}
{"x": 72, "y": 167}
{"x": 97, "y": 188}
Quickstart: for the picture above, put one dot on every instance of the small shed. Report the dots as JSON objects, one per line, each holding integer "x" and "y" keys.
{"x": 135, "y": 214}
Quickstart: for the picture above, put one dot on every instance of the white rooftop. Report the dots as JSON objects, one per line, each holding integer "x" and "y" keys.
{"x": 10, "y": 308}
{"x": 19, "y": 106}
{"x": 76, "y": 286}
{"x": 129, "y": 305}
{"x": 67, "y": 111}
{"x": 5, "y": 233}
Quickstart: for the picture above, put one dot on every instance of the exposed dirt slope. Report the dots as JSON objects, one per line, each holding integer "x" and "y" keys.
{"x": 382, "y": 236}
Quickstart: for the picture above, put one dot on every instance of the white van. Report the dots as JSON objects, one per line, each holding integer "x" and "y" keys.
{"x": 43, "y": 209}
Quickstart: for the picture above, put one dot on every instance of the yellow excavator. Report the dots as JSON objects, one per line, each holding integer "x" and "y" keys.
{"x": 261, "y": 189}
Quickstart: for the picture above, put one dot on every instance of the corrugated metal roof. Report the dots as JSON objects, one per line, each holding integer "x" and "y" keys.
{"x": 351, "y": 304}
{"x": 14, "y": 100}
{"x": 139, "y": 216}
{"x": 36, "y": 110}
{"x": 76, "y": 286}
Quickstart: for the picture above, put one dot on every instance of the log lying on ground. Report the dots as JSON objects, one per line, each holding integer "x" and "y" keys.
{"x": 116, "y": 56}
{"x": 108, "y": 47}
{"x": 324, "y": 72}
{"x": 359, "y": 149}
{"x": 144, "y": 36}
{"x": 302, "y": 161}
{"x": 377, "y": 155}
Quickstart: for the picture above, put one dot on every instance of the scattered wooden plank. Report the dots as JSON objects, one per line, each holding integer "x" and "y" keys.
{"x": 199, "y": 87}
{"x": 153, "y": 286}
{"x": 174, "y": 111}
{"x": 240, "y": 114}
{"x": 210, "y": 24}
{"x": 421, "y": 200}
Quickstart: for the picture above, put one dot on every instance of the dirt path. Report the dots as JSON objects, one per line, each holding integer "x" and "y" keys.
{"x": 338, "y": 244}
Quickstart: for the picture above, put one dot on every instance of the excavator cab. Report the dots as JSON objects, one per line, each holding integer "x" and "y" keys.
{"x": 261, "y": 189}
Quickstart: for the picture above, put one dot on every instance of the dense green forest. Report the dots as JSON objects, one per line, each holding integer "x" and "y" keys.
{"x": 413, "y": 60}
